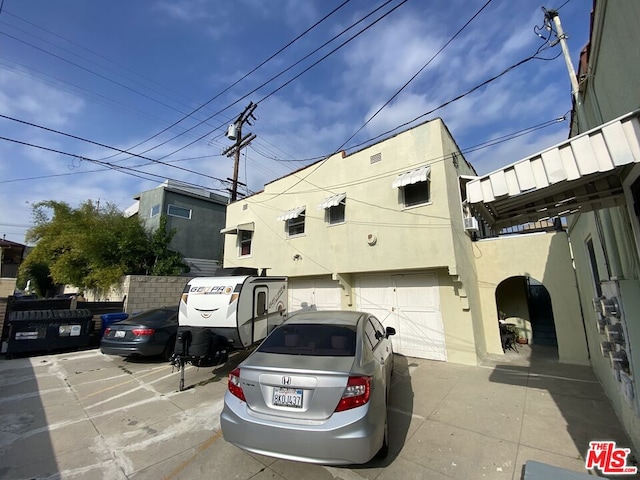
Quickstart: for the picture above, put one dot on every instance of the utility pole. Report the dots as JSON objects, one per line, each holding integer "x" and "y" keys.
{"x": 552, "y": 16}
{"x": 234, "y": 132}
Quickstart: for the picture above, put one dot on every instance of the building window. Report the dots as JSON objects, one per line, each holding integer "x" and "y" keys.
{"x": 155, "y": 211}
{"x": 334, "y": 205}
{"x": 416, "y": 194}
{"x": 176, "y": 211}
{"x": 336, "y": 214}
{"x": 244, "y": 238}
{"x": 415, "y": 186}
{"x": 295, "y": 226}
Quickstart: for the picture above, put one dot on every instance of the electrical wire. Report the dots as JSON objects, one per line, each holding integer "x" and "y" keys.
{"x": 417, "y": 73}
{"x": 31, "y": 124}
{"x": 264, "y": 84}
{"x": 43, "y": 177}
{"x": 227, "y": 89}
{"x": 120, "y": 168}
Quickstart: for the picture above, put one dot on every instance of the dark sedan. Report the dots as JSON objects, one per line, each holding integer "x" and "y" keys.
{"x": 151, "y": 333}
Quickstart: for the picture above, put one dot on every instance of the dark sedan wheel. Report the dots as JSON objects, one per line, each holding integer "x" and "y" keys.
{"x": 168, "y": 349}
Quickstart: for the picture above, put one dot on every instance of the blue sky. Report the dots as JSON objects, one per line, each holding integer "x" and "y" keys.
{"x": 117, "y": 73}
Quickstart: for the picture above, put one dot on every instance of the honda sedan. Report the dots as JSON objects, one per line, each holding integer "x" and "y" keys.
{"x": 315, "y": 390}
{"x": 151, "y": 333}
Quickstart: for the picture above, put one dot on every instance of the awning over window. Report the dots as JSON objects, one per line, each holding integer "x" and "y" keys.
{"x": 247, "y": 227}
{"x": 332, "y": 201}
{"x": 414, "y": 176}
{"x": 293, "y": 213}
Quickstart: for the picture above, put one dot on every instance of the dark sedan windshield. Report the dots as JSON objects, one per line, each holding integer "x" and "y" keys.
{"x": 312, "y": 339}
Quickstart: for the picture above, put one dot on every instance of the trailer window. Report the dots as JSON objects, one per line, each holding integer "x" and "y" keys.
{"x": 261, "y": 303}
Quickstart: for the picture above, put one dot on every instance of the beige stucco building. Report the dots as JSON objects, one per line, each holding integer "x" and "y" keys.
{"x": 383, "y": 230}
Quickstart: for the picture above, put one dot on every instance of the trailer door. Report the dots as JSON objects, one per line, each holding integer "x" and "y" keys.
{"x": 260, "y": 308}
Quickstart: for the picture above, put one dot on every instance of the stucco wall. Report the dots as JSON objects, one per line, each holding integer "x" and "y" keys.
{"x": 584, "y": 229}
{"x": 407, "y": 238}
{"x": 546, "y": 258}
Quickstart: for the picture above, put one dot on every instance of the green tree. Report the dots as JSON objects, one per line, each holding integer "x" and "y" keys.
{"x": 92, "y": 248}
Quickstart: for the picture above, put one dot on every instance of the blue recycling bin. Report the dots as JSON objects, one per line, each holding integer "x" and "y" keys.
{"x": 109, "y": 318}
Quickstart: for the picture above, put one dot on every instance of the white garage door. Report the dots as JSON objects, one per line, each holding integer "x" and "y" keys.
{"x": 411, "y": 305}
{"x": 323, "y": 293}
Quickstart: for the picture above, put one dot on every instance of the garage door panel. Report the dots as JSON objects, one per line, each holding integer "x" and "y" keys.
{"x": 411, "y": 305}
{"x": 321, "y": 293}
{"x": 422, "y": 335}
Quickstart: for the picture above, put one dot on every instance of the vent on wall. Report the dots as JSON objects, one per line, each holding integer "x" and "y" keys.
{"x": 375, "y": 158}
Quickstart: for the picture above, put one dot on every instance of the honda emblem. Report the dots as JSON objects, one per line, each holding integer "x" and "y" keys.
{"x": 286, "y": 380}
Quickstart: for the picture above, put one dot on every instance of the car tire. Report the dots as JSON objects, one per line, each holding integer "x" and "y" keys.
{"x": 384, "y": 449}
{"x": 167, "y": 353}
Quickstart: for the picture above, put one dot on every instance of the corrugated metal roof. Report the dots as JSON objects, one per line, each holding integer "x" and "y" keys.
{"x": 332, "y": 201}
{"x": 247, "y": 227}
{"x": 414, "y": 176}
{"x": 578, "y": 174}
{"x": 293, "y": 213}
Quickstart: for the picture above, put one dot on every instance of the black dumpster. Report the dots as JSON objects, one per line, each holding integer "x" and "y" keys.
{"x": 47, "y": 330}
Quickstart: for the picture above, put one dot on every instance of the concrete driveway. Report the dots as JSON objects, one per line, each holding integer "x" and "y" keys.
{"x": 87, "y": 415}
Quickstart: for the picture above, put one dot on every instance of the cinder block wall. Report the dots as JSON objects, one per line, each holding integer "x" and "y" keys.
{"x": 7, "y": 286}
{"x": 144, "y": 293}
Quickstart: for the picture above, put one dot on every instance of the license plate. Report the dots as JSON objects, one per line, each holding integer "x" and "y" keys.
{"x": 119, "y": 334}
{"x": 287, "y": 397}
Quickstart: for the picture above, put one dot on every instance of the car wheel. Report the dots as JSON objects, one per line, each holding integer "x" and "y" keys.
{"x": 168, "y": 349}
{"x": 384, "y": 449}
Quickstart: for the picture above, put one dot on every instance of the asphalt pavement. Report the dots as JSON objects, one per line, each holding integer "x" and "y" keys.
{"x": 83, "y": 415}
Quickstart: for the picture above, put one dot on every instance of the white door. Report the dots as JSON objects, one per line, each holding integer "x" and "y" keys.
{"x": 411, "y": 305}
{"x": 323, "y": 294}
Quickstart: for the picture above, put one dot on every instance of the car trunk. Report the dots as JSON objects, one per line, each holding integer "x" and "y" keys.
{"x": 310, "y": 391}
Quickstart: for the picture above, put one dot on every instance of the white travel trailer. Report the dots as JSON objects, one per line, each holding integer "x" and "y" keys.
{"x": 233, "y": 310}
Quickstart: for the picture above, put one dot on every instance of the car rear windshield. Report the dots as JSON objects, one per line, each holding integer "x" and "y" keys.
{"x": 154, "y": 316}
{"x": 312, "y": 339}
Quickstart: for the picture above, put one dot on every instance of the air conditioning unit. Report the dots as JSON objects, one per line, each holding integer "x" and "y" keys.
{"x": 470, "y": 224}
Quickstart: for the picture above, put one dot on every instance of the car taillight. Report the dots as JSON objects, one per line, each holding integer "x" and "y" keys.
{"x": 234, "y": 384}
{"x": 356, "y": 394}
{"x": 142, "y": 332}
{"x": 106, "y": 331}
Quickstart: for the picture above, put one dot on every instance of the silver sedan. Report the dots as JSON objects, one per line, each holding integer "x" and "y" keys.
{"x": 315, "y": 390}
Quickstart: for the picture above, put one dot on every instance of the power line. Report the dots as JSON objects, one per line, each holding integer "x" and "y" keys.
{"x": 227, "y": 89}
{"x": 43, "y": 177}
{"x": 83, "y": 47}
{"x": 417, "y": 73}
{"x": 31, "y": 124}
{"x": 445, "y": 45}
{"x": 120, "y": 168}
{"x": 268, "y": 81}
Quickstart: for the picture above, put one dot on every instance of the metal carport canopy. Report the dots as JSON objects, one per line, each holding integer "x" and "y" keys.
{"x": 581, "y": 174}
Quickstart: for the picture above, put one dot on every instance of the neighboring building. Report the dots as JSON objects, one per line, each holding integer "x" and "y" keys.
{"x": 607, "y": 241}
{"x": 384, "y": 230}
{"x": 594, "y": 177}
{"x": 196, "y": 214}
{"x": 11, "y": 255}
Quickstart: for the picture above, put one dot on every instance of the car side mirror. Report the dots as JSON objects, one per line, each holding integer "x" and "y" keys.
{"x": 390, "y": 331}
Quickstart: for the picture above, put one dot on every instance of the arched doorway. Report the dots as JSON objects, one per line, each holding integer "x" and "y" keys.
{"x": 525, "y": 302}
